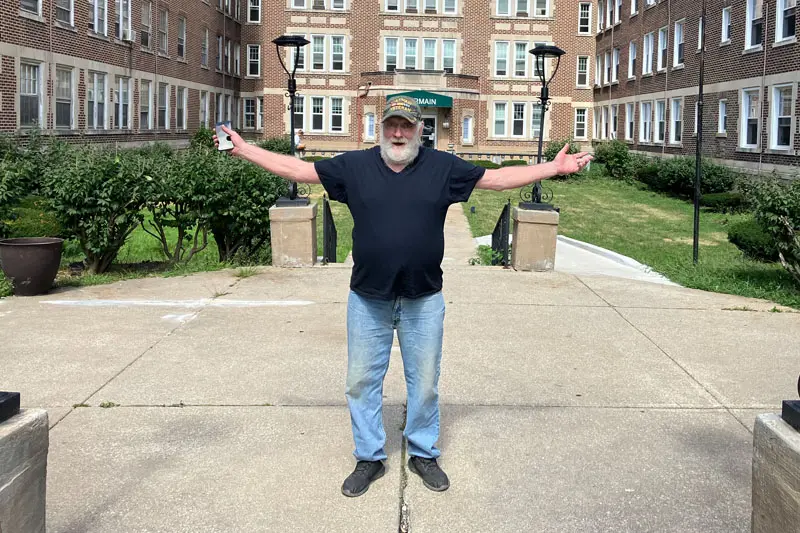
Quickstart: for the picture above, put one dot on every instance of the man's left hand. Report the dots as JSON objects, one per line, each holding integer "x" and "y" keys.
{"x": 569, "y": 163}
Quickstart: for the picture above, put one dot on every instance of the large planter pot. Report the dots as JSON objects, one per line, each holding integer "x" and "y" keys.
{"x": 31, "y": 263}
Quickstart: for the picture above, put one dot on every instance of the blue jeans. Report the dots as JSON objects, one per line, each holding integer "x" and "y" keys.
{"x": 370, "y": 330}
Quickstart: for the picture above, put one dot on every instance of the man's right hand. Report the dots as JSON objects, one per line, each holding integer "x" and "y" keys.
{"x": 236, "y": 139}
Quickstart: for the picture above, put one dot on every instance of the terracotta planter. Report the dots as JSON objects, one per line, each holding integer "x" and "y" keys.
{"x": 31, "y": 263}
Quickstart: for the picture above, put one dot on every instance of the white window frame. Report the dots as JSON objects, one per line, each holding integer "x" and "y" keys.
{"x": 646, "y": 126}
{"x": 676, "y": 121}
{"x": 203, "y": 118}
{"x": 300, "y": 109}
{"x": 700, "y": 33}
{"x": 598, "y": 71}
{"x": 774, "y": 116}
{"x": 118, "y": 114}
{"x": 430, "y": 6}
{"x": 412, "y": 6}
{"x": 397, "y": 42}
{"x": 163, "y": 31}
{"x": 158, "y": 104}
{"x": 314, "y": 53}
{"x": 514, "y": 119}
{"x": 722, "y": 116}
{"x": 181, "y": 37}
{"x": 302, "y": 55}
{"x": 124, "y": 19}
{"x": 606, "y": 68}
{"x": 497, "y": 58}
{"x": 426, "y": 56}
{"x": 696, "y": 116}
{"x": 617, "y": 11}
{"x": 369, "y": 126}
{"x": 39, "y": 86}
{"x": 452, "y": 9}
{"x": 725, "y": 35}
{"x": 299, "y": 4}
{"x": 467, "y": 130}
{"x": 663, "y": 49}
{"x": 415, "y": 55}
{"x": 96, "y": 13}
{"x": 94, "y": 77}
{"x": 604, "y": 112}
{"x": 237, "y": 59}
{"x": 542, "y": 125}
{"x": 333, "y": 55}
{"x": 312, "y": 114}
{"x": 576, "y": 121}
{"x": 632, "y": 60}
{"x": 600, "y": 16}
{"x": 445, "y": 57}
{"x": 588, "y": 18}
{"x": 647, "y": 53}
{"x": 507, "y": 12}
{"x": 680, "y": 41}
{"x": 394, "y": 3}
{"x": 38, "y": 7}
{"x": 253, "y": 6}
{"x": 781, "y": 7}
{"x": 70, "y": 9}
{"x": 338, "y": 5}
{"x": 634, "y": 7}
{"x": 147, "y": 25}
{"x": 752, "y": 17}
{"x": 257, "y": 62}
{"x": 578, "y": 72}
{"x": 614, "y": 127}
{"x": 743, "y": 117}
{"x": 525, "y": 55}
{"x": 615, "y": 65}
{"x": 630, "y": 120}
{"x": 538, "y": 12}
{"x": 495, "y": 117}
{"x": 58, "y": 99}
{"x": 331, "y": 114}
{"x": 250, "y": 114}
{"x": 182, "y": 101}
{"x": 149, "y": 99}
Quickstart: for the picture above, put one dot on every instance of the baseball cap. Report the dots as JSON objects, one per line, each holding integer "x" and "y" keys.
{"x": 403, "y": 106}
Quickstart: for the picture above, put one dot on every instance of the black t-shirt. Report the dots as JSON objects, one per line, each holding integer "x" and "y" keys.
{"x": 398, "y": 231}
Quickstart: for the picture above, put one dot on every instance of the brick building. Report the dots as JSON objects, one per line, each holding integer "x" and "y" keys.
{"x": 134, "y": 70}
{"x": 646, "y": 80}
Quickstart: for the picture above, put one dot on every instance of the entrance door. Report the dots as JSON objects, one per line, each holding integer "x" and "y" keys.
{"x": 429, "y": 132}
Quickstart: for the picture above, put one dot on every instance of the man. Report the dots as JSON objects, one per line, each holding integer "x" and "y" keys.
{"x": 399, "y": 194}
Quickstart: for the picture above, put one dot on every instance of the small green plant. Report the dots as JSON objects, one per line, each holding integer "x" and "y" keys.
{"x": 246, "y": 272}
{"x": 106, "y": 405}
{"x": 279, "y": 145}
{"x": 553, "y": 147}
{"x": 485, "y": 163}
{"x": 6, "y": 288}
{"x": 514, "y": 163}
{"x": 775, "y": 310}
{"x": 617, "y": 159}
{"x": 723, "y": 202}
{"x": 203, "y": 138}
{"x": 77, "y": 405}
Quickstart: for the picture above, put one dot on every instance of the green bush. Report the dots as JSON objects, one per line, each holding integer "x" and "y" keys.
{"x": 485, "y": 163}
{"x": 514, "y": 163}
{"x": 204, "y": 137}
{"x": 777, "y": 207}
{"x": 553, "y": 147}
{"x": 33, "y": 218}
{"x": 11, "y": 190}
{"x": 676, "y": 176}
{"x": 617, "y": 159}
{"x": 723, "y": 202}
{"x": 753, "y": 240}
{"x": 315, "y": 158}
{"x": 279, "y": 145}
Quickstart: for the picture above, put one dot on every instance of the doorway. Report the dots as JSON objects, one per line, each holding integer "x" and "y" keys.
{"x": 429, "y": 131}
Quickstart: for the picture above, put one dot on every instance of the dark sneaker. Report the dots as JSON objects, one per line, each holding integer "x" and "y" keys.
{"x": 365, "y": 473}
{"x": 432, "y": 476}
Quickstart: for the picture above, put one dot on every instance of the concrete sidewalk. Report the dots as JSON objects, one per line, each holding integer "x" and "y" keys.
{"x": 569, "y": 403}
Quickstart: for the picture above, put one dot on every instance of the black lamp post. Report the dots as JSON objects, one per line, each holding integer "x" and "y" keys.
{"x": 292, "y": 42}
{"x": 532, "y": 199}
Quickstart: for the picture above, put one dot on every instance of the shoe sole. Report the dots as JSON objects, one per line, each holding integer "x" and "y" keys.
{"x": 427, "y": 486}
{"x": 373, "y": 480}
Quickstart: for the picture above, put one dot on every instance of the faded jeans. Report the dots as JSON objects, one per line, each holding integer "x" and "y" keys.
{"x": 370, "y": 331}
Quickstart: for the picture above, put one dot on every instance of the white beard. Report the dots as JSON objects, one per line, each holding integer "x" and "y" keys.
{"x": 393, "y": 154}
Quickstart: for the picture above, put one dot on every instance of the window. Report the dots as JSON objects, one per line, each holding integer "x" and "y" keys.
{"x": 300, "y": 54}
{"x": 676, "y": 127}
{"x": 754, "y": 30}
{"x": 318, "y": 52}
{"x": 617, "y": 11}
{"x": 337, "y": 4}
{"x": 645, "y": 121}
{"x": 781, "y": 117}
{"x": 162, "y": 31}
{"x": 411, "y": 54}
{"x": 390, "y": 47}
{"x": 647, "y": 54}
{"x": 722, "y": 121}
{"x": 700, "y": 34}
{"x": 541, "y": 8}
{"x": 253, "y": 59}
{"x": 249, "y": 112}
{"x": 629, "y": 121}
{"x": 583, "y": 71}
{"x": 607, "y": 69}
{"x": 503, "y": 7}
{"x": 122, "y": 26}
{"x": 63, "y": 98}
{"x": 584, "y": 18}
{"x": 661, "y": 124}
{"x": 580, "y": 123}
{"x": 520, "y": 60}
{"x": 678, "y": 53}
{"x": 145, "y": 122}
{"x": 632, "y": 60}
{"x": 299, "y": 112}
{"x": 337, "y": 114}
{"x": 369, "y": 127}
{"x": 662, "y": 46}
{"x": 337, "y": 53}
{"x": 521, "y": 8}
{"x": 429, "y": 54}
{"x": 218, "y": 106}
{"x": 317, "y": 113}
{"x": 518, "y": 120}
{"x": 610, "y": 13}
{"x": 450, "y": 7}
{"x": 163, "y": 106}
{"x": 604, "y": 133}
{"x": 751, "y": 113}
{"x": 785, "y": 20}
{"x": 411, "y": 6}
{"x": 147, "y": 24}
{"x": 297, "y": 4}
{"x": 449, "y": 55}
{"x": 615, "y": 69}
{"x": 32, "y": 6}
{"x": 204, "y": 109}
{"x": 499, "y": 119}
{"x": 181, "y": 108}
{"x": 392, "y": 5}
{"x": 466, "y": 130}
{"x": 122, "y": 103}
{"x": 204, "y": 49}
{"x": 254, "y": 11}
{"x": 30, "y": 93}
{"x": 726, "y": 24}
{"x": 97, "y": 17}
{"x": 430, "y": 6}
{"x": 501, "y": 59}
{"x": 237, "y": 53}
{"x": 536, "y": 120}
{"x": 96, "y": 101}
{"x": 596, "y": 123}
{"x": 238, "y": 15}
{"x": 614, "y": 120}
{"x": 539, "y": 64}
{"x": 597, "y": 70}
{"x": 634, "y": 7}
{"x": 219, "y": 52}
{"x": 64, "y": 11}
{"x": 600, "y": 20}
{"x": 182, "y": 37}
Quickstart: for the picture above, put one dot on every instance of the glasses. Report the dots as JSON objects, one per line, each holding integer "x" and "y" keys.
{"x": 404, "y": 125}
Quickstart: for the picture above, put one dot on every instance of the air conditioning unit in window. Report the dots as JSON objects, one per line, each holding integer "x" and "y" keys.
{"x": 318, "y": 4}
{"x": 129, "y": 36}
{"x": 541, "y": 12}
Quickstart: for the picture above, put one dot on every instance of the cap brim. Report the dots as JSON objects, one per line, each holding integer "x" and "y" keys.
{"x": 400, "y": 114}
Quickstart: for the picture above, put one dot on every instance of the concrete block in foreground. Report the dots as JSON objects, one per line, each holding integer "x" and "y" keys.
{"x": 776, "y": 476}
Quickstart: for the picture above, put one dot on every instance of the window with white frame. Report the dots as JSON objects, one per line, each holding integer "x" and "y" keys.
{"x": 781, "y": 118}
{"x": 369, "y": 126}
{"x": 634, "y": 7}
{"x": 30, "y": 95}
{"x": 65, "y": 11}
{"x": 96, "y": 101}
{"x": 754, "y": 29}
{"x": 607, "y": 68}
{"x": 609, "y": 13}
{"x": 604, "y": 123}
{"x": 163, "y": 17}
{"x": 647, "y": 53}
{"x": 450, "y": 7}
{"x": 662, "y": 48}
{"x": 679, "y": 37}
{"x": 676, "y": 126}
{"x": 645, "y": 121}
{"x": 615, "y": 64}
{"x": 237, "y": 54}
{"x": 520, "y": 60}
{"x": 466, "y": 130}
{"x": 250, "y": 113}
{"x": 410, "y": 56}
{"x": 297, "y": 4}
{"x": 337, "y": 53}
{"x": 596, "y": 123}
{"x": 122, "y": 24}
{"x": 299, "y": 112}
{"x": 600, "y": 16}
{"x": 337, "y": 114}
{"x": 254, "y": 11}
{"x": 429, "y": 54}
{"x": 750, "y": 118}
{"x": 163, "y": 106}
{"x": 238, "y": 12}
{"x": 785, "y": 20}
{"x": 614, "y": 120}
{"x": 337, "y": 4}
{"x": 219, "y": 52}
{"x": 541, "y": 8}
{"x": 629, "y": 121}
{"x": 227, "y": 55}
{"x": 501, "y": 58}
{"x": 254, "y": 60}
{"x": 298, "y": 53}
{"x": 317, "y": 52}
{"x": 617, "y": 11}
{"x": 390, "y": 54}
{"x": 598, "y": 70}
{"x": 536, "y": 120}
{"x": 632, "y": 60}
{"x": 499, "y": 119}
{"x": 584, "y": 17}
{"x": 204, "y": 109}
{"x": 700, "y": 33}
{"x": 696, "y": 116}
{"x": 582, "y": 72}
{"x": 392, "y": 5}
{"x": 579, "y": 131}
{"x": 204, "y": 49}
{"x": 412, "y": 6}
{"x": 63, "y": 98}
{"x": 32, "y": 6}
{"x": 317, "y": 113}
{"x": 430, "y": 6}
{"x": 518, "y": 119}
{"x": 98, "y": 22}
{"x": 181, "y": 107}
{"x": 726, "y": 24}
{"x": 540, "y": 64}
{"x": 146, "y": 31}
{"x": 260, "y": 113}
{"x": 145, "y": 100}
{"x": 182, "y": 37}
{"x": 649, "y": 3}
{"x": 122, "y": 103}
{"x": 218, "y": 105}
{"x": 449, "y": 55}
{"x": 722, "y": 116}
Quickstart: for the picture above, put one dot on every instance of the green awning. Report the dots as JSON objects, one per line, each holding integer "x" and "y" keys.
{"x": 427, "y": 99}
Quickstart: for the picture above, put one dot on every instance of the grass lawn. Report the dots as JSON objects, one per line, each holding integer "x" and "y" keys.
{"x": 655, "y": 230}
{"x": 343, "y": 221}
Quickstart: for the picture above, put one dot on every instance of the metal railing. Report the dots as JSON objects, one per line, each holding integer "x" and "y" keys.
{"x": 328, "y": 233}
{"x": 500, "y": 237}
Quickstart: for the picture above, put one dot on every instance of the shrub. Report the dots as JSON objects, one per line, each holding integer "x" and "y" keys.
{"x": 514, "y": 163}
{"x": 676, "y": 175}
{"x": 279, "y": 145}
{"x": 204, "y": 137}
{"x": 553, "y": 147}
{"x": 315, "y": 158}
{"x": 777, "y": 207}
{"x": 723, "y": 202}
{"x": 11, "y": 189}
{"x": 485, "y": 163}
{"x": 753, "y": 240}
{"x": 617, "y": 159}
{"x": 33, "y": 218}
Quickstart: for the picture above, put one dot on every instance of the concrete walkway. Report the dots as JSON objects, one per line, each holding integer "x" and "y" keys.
{"x": 570, "y": 403}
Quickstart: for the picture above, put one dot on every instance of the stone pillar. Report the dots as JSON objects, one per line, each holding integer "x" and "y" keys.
{"x": 24, "y": 440}
{"x": 776, "y": 476}
{"x": 294, "y": 235}
{"x": 534, "y": 243}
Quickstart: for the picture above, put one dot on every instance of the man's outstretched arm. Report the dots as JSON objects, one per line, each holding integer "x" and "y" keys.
{"x": 513, "y": 177}
{"x": 285, "y": 166}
